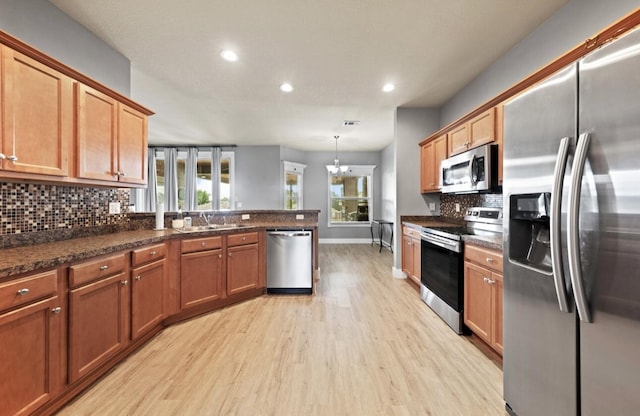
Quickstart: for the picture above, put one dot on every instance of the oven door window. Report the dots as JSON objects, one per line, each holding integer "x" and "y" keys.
{"x": 442, "y": 273}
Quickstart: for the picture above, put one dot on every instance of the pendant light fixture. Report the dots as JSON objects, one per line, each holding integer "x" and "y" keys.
{"x": 336, "y": 169}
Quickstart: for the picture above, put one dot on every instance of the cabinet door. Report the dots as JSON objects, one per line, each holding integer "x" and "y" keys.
{"x": 477, "y": 301}
{"x": 38, "y": 116}
{"x": 482, "y": 128}
{"x": 417, "y": 266}
{"x": 242, "y": 268}
{"x": 30, "y": 350}
{"x": 202, "y": 277}
{"x": 146, "y": 297}
{"x": 458, "y": 139}
{"x": 97, "y": 138}
{"x": 132, "y": 146}
{"x": 426, "y": 167}
{"x": 98, "y": 323}
{"x": 439, "y": 154}
{"x": 407, "y": 255}
{"x": 496, "y": 342}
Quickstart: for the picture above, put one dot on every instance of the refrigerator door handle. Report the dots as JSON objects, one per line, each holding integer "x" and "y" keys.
{"x": 573, "y": 231}
{"x": 555, "y": 226}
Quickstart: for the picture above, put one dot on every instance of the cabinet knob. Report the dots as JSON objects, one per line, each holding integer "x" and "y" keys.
{"x": 153, "y": 253}
{"x": 244, "y": 238}
{"x": 56, "y": 310}
{"x": 230, "y": 254}
{"x": 138, "y": 277}
{"x": 490, "y": 260}
{"x": 103, "y": 268}
{"x": 219, "y": 256}
{"x": 22, "y": 292}
{"x": 203, "y": 244}
{"x": 124, "y": 282}
{"x": 122, "y": 174}
{"x": 12, "y": 158}
{"x": 2, "y": 156}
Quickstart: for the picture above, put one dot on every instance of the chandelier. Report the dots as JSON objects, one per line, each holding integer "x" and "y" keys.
{"x": 336, "y": 169}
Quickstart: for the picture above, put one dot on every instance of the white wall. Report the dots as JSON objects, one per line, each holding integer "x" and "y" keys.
{"x": 565, "y": 29}
{"x": 46, "y": 28}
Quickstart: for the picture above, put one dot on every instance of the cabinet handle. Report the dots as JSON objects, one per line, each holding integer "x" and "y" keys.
{"x": 12, "y": 158}
{"x": 153, "y": 253}
{"x": 138, "y": 277}
{"x": 2, "y": 156}
{"x": 486, "y": 279}
{"x": 203, "y": 244}
{"x": 219, "y": 256}
{"x": 491, "y": 281}
{"x": 56, "y": 310}
{"x": 490, "y": 260}
{"x": 121, "y": 174}
{"x": 23, "y": 292}
{"x": 244, "y": 238}
{"x": 103, "y": 268}
{"x": 124, "y": 282}
{"x": 230, "y": 254}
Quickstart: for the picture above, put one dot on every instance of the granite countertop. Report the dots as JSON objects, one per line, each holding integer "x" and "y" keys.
{"x": 14, "y": 261}
{"x": 492, "y": 242}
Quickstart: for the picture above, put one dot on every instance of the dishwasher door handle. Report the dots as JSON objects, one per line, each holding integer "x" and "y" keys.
{"x": 289, "y": 233}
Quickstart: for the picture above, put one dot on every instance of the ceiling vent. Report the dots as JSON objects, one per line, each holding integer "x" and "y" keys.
{"x": 348, "y": 123}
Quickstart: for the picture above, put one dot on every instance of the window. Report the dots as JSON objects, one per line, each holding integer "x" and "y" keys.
{"x": 351, "y": 196}
{"x": 293, "y": 180}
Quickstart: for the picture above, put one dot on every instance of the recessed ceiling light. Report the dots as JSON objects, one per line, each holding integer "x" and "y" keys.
{"x": 229, "y": 55}
{"x": 286, "y": 87}
{"x": 388, "y": 87}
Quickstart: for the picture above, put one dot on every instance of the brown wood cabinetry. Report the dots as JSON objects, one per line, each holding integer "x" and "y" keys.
{"x": 202, "y": 269}
{"x": 37, "y": 117}
{"x": 31, "y": 334}
{"x": 112, "y": 139}
{"x": 475, "y": 132}
{"x": 147, "y": 283}
{"x": 483, "y": 294}
{"x": 243, "y": 263}
{"x": 411, "y": 260}
{"x": 99, "y": 314}
{"x": 431, "y": 154}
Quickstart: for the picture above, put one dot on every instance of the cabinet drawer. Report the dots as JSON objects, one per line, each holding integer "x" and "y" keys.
{"x": 490, "y": 259}
{"x": 240, "y": 239}
{"x": 22, "y": 291}
{"x": 411, "y": 232}
{"x": 96, "y": 269}
{"x": 201, "y": 244}
{"x": 147, "y": 254}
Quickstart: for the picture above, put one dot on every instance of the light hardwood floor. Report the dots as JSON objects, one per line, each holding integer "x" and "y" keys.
{"x": 364, "y": 344}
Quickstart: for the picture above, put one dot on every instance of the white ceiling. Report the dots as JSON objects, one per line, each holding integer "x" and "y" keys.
{"x": 337, "y": 54}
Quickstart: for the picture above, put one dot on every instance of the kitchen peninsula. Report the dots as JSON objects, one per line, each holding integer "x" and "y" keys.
{"x": 84, "y": 304}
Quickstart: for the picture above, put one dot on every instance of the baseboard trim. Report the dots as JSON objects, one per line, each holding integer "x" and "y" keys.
{"x": 398, "y": 273}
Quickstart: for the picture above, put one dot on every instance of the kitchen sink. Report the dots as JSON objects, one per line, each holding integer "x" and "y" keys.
{"x": 222, "y": 227}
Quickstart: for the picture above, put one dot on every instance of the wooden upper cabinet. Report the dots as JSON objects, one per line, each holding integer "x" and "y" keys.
{"x": 97, "y": 135}
{"x": 112, "y": 139}
{"x": 132, "y": 145}
{"x": 37, "y": 106}
{"x": 431, "y": 154}
{"x": 475, "y": 132}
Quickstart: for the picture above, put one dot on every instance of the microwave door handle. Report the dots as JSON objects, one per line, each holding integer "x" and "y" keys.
{"x": 555, "y": 224}
{"x": 573, "y": 231}
{"x": 471, "y": 163}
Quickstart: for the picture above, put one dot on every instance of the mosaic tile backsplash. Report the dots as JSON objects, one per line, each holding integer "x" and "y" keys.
{"x": 448, "y": 203}
{"x": 33, "y": 208}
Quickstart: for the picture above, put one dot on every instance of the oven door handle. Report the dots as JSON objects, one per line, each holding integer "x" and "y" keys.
{"x": 456, "y": 247}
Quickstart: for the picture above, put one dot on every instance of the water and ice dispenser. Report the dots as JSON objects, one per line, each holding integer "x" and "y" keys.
{"x": 529, "y": 243}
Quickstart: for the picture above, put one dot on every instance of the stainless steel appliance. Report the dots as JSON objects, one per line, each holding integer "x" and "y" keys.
{"x": 289, "y": 261}
{"x": 572, "y": 239}
{"x": 442, "y": 263}
{"x": 475, "y": 170}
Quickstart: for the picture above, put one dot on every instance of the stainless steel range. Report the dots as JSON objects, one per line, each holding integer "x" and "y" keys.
{"x": 442, "y": 262}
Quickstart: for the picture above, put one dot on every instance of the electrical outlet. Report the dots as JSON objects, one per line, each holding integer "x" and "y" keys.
{"x": 457, "y": 207}
{"x": 246, "y": 216}
{"x": 299, "y": 216}
{"x": 238, "y": 204}
{"x": 114, "y": 207}
{"x": 432, "y": 206}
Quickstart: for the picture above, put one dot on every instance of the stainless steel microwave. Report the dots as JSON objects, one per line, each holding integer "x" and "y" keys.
{"x": 475, "y": 170}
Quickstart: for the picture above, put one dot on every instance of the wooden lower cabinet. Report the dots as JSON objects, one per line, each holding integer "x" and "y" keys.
{"x": 411, "y": 254}
{"x": 147, "y": 297}
{"x": 202, "y": 277}
{"x": 30, "y": 351}
{"x": 242, "y": 268}
{"x": 483, "y": 294}
{"x": 98, "y": 323}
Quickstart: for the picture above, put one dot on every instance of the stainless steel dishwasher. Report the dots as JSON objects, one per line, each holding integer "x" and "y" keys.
{"x": 289, "y": 264}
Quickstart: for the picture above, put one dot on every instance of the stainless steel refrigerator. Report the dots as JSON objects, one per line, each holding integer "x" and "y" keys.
{"x": 572, "y": 239}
